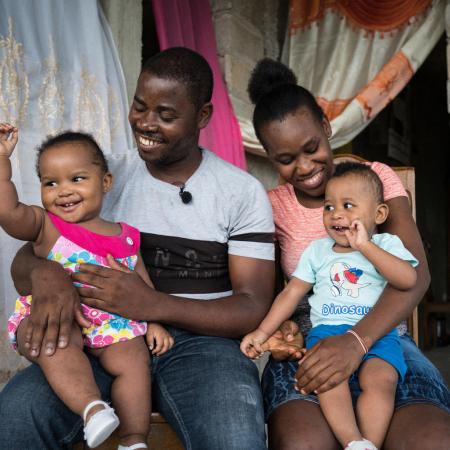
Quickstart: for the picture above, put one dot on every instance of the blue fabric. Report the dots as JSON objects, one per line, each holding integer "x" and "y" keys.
{"x": 422, "y": 383}
{"x": 204, "y": 386}
{"x": 387, "y": 348}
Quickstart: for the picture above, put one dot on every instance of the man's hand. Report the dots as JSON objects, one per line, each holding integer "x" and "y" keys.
{"x": 54, "y": 307}
{"x": 116, "y": 290}
{"x": 328, "y": 363}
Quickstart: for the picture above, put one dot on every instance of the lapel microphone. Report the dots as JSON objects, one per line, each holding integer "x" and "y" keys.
{"x": 186, "y": 196}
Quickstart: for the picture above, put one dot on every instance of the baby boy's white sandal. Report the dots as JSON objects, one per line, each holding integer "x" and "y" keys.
{"x": 100, "y": 425}
{"x": 132, "y": 447}
{"x": 361, "y": 445}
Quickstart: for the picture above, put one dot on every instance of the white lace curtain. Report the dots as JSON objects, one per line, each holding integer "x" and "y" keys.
{"x": 59, "y": 70}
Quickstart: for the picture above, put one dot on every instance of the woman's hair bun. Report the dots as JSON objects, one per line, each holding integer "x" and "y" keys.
{"x": 267, "y": 75}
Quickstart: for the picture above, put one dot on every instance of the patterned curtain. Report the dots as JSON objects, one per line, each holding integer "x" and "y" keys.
{"x": 356, "y": 56}
{"x": 59, "y": 70}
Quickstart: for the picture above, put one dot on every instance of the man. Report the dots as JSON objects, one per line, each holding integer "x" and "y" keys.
{"x": 206, "y": 239}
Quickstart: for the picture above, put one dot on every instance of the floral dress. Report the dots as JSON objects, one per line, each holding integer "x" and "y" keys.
{"x": 77, "y": 245}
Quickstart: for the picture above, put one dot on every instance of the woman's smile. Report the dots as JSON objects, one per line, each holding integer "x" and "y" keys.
{"x": 312, "y": 181}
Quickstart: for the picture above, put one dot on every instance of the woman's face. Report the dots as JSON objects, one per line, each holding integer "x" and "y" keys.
{"x": 299, "y": 149}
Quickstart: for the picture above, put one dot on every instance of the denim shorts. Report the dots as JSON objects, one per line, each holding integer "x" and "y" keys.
{"x": 387, "y": 348}
{"x": 422, "y": 383}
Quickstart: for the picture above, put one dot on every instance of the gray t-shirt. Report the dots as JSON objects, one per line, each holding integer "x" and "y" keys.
{"x": 185, "y": 247}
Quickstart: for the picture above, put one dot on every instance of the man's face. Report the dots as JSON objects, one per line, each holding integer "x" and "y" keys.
{"x": 164, "y": 120}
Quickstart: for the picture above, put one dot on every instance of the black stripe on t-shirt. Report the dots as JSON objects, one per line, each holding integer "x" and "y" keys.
{"x": 253, "y": 237}
{"x": 185, "y": 266}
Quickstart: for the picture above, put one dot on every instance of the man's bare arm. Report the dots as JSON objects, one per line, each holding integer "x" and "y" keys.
{"x": 252, "y": 281}
{"x": 55, "y": 301}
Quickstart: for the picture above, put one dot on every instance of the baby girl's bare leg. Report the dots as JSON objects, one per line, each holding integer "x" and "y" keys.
{"x": 68, "y": 371}
{"x": 129, "y": 363}
{"x": 375, "y": 406}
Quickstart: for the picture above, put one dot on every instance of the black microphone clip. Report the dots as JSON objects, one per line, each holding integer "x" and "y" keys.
{"x": 186, "y": 196}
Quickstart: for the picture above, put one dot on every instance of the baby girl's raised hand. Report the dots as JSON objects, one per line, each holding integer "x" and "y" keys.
{"x": 158, "y": 339}
{"x": 252, "y": 342}
{"x": 8, "y": 139}
{"x": 357, "y": 235}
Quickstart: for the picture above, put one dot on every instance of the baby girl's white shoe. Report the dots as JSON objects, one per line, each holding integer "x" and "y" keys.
{"x": 361, "y": 445}
{"x": 100, "y": 425}
{"x": 132, "y": 447}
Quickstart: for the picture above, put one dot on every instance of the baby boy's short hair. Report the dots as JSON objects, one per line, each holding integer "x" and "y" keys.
{"x": 364, "y": 172}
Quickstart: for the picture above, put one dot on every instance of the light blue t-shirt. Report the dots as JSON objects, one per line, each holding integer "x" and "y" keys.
{"x": 346, "y": 285}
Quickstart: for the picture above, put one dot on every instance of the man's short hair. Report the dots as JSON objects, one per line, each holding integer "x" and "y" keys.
{"x": 186, "y": 66}
{"x": 364, "y": 172}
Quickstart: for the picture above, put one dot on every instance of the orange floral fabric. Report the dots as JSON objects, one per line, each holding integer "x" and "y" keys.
{"x": 371, "y": 15}
{"x": 333, "y": 108}
{"x": 392, "y": 78}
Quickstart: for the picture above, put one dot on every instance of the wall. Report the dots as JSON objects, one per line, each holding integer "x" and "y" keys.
{"x": 247, "y": 31}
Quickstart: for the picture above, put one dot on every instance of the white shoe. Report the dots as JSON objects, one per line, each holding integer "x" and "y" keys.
{"x": 360, "y": 445}
{"x": 100, "y": 425}
{"x": 132, "y": 447}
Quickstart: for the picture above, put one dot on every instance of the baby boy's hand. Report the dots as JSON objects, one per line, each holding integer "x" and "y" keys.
{"x": 357, "y": 235}
{"x": 252, "y": 342}
{"x": 158, "y": 339}
{"x": 8, "y": 139}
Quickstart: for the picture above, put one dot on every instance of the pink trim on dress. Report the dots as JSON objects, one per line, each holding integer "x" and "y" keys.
{"x": 120, "y": 246}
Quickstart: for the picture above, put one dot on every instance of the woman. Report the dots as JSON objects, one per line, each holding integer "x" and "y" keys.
{"x": 295, "y": 132}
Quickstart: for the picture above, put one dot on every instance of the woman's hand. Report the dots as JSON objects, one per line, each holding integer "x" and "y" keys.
{"x": 110, "y": 287}
{"x": 55, "y": 306}
{"x": 286, "y": 343}
{"x": 328, "y": 363}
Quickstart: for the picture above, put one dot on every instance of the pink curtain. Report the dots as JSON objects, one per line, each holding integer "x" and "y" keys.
{"x": 188, "y": 23}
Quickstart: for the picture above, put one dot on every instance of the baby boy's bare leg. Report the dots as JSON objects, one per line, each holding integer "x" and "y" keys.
{"x": 375, "y": 406}
{"x": 129, "y": 363}
{"x": 68, "y": 371}
{"x": 337, "y": 407}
